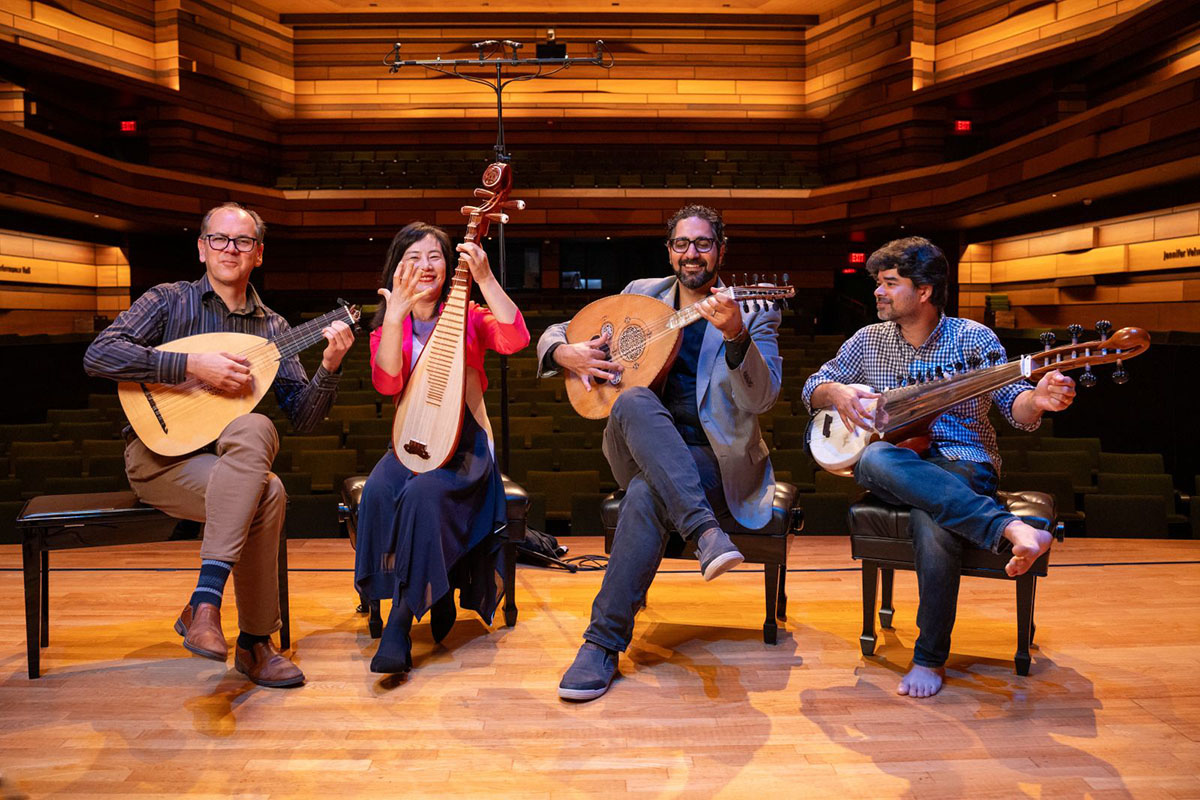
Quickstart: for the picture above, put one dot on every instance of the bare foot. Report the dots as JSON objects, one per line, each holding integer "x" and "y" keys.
{"x": 1028, "y": 543}
{"x": 922, "y": 681}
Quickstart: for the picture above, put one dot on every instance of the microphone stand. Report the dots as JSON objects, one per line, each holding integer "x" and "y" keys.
{"x": 492, "y": 55}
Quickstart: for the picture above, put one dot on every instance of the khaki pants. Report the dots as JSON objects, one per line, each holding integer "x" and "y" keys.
{"x": 239, "y": 500}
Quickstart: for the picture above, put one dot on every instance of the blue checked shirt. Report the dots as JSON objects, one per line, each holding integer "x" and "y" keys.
{"x": 124, "y": 351}
{"x": 879, "y": 356}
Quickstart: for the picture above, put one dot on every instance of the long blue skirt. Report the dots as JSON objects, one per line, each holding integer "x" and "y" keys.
{"x": 422, "y": 535}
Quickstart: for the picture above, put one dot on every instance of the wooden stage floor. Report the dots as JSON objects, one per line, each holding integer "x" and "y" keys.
{"x": 703, "y": 707}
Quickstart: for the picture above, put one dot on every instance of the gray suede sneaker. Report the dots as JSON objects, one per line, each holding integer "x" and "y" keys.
{"x": 716, "y": 553}
{"x": 591, "y": 674}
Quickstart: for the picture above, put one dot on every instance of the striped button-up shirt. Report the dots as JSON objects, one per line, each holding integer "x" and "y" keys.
{"x": 125, "y": 350}
{"x": 879, "y": 356}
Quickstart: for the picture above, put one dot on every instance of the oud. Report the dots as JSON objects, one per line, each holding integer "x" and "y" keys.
{"x": 645, "y": 334}
{"x": 176, "y": 419}
{"x": 429, "y": 415}
{"x": 902, "y": 416}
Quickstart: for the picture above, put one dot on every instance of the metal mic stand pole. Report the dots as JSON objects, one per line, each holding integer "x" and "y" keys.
{"x": 491, "y": 53}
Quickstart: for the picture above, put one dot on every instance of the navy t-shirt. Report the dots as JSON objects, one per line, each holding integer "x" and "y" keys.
{"x": 679, "y": 389}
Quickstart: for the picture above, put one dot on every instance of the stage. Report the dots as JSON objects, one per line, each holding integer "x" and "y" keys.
{"x": 1111, "y": 707}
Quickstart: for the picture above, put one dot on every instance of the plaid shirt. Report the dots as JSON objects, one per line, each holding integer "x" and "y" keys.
{"x": 124, "y": 351}
{"x": 879, "y": 356}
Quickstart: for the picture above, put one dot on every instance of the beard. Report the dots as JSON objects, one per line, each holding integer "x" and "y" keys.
{"x": 699, "y": 279}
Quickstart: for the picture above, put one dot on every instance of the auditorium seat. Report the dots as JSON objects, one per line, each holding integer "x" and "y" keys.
{"x": 521, "y": 460}
{"x": 1131, "y": 516}
{"x": 1129, "y": 463}
{"x": 1056, "y": 484}
{"x": 327, "y": 467}
{"x": 34, "y": 471}
{"x": 34, "y": 449}
{"x": 1143, "y": 484}
{"x": 1075, "y": 463}
{"x": 573, "y": 497}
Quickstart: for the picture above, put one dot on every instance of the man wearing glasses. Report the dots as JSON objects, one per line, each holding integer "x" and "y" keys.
{"x": 228, "y": 485}
{"x": 688, "y": 459}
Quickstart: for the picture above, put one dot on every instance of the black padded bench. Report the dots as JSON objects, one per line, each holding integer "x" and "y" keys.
{"x": 767, "y": 546}
{"x": 517, "y": 500}
{"x": 880, "y": 538}
{"x": 72, "y": 521}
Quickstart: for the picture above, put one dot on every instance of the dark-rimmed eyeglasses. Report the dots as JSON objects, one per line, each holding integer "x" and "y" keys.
{"x": 217, "y": 241}
{"x": 680, "y": 244}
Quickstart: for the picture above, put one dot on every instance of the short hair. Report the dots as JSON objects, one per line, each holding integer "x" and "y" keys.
{"x": 712, "y": 216}
{"x": 917, "y": 259}
{"x": 407, "y": 236}
{"x": 260, "y": 227}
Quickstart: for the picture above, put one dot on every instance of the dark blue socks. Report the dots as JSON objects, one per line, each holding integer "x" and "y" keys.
{"x": 210, "y": 587}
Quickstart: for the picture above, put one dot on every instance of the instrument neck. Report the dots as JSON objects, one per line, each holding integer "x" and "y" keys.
{"x": 691, "y": 313}
{"x": 909, "y": 404}
{"x": 304, "y": 336}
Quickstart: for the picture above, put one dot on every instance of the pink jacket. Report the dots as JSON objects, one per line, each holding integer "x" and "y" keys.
{"x": 483, "y": 331}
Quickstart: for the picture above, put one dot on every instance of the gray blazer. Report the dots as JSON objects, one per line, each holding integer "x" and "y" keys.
{"x": 728, "y": 404}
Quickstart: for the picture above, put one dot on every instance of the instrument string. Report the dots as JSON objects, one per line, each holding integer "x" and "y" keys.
{"x": 662, "y": 327}
{"x": 182, "y": 396}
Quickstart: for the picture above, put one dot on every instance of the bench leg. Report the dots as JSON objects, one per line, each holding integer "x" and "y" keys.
{"x": 771, "y": 581}
{"x": 870, "y": 582}
{"x": 1033, "y": 612}
{"x": 515, "y": 530}
{"x": 781, "y": 606}
{"x": 45, "y": 640}
{"x": 886, "y": 609}
{"x": 285, "y": 614}
{"x": 31, "y": 552}
{"x": 1025, "y": 589}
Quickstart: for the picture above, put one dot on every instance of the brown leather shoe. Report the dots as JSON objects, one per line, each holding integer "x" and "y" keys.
{"x": 201, "y": 631}
{"x": 266, "y": 666}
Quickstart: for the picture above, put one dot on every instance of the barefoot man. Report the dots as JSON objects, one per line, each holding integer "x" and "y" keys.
{"x": 952, "y": 487}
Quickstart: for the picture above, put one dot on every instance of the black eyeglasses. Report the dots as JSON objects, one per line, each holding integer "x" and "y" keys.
{"x": 218, "y": 241}
{"x": 680, "y": 244}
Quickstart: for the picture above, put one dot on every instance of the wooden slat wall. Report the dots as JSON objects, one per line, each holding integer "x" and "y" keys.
{"x": 12, "y": 103}
{"x": 52, "y": 285}
{"x": 1148, "y": 270}
{"x": 867, "y": 52}
{"x": 742, "y": 70}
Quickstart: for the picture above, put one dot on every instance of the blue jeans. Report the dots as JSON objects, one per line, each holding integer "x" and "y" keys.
{"x": 953, "y": 505}
{"x": 668, "y": 485}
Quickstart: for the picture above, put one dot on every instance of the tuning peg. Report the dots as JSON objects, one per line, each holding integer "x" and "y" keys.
{"x": 959, "y": 366}
{"x": 498, "y": 217}
{"x": 1048, "y": 338}
{"x": 746, "y": 306}
{"x": 786, "y": 279}
{"x": 483, "y": 194}
{"x": 994, "y": 356}
{"x": 756, "y": 279}
{"x": 1076, "y": 330}
{"x": 1120, "y": 376}
{"x": 1104, "y": 328}
{"x": 974, "y": 360}
{"x": 1088, "y": 379}
{"x": 514, "y": 205}
{"x": 938, "y": 373}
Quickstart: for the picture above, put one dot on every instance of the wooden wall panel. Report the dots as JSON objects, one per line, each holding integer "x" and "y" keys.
{"x": 70, "y": 281}
{"x": 1140, "y": 277}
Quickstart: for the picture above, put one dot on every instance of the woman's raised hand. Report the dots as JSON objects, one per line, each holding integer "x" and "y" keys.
{"x": 403, "y": 295}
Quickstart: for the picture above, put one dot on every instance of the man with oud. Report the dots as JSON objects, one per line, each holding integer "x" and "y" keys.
{"x": 951, "y": 489}
{"x": 686, "y": 459}
{"x": 228, "y": 485}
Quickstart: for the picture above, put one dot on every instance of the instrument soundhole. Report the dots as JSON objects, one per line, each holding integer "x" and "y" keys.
{"x": 631, "y": 343}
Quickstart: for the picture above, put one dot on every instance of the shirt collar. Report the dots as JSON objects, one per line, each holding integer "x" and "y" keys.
{"x": 931, "y": 341}
{"x": 253, "y": 303}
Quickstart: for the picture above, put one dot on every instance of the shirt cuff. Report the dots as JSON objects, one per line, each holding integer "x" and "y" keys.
{"x": 736, "y": 349}
{"x": 325, "y": 380}
{"x": 172, "y": 367}
{"x": 549, "y": 366}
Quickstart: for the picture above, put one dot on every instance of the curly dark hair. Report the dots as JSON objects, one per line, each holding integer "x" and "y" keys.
{"x": 409, "y": 235}
{"x": 712, "y": 216}
{"x": 917, "y": 259}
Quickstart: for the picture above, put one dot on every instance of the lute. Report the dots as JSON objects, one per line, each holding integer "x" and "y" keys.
{"x": 903, "y": 415}
{"x": 429, "y": 415}
{"x": 645, "y": 335}
{"x": 175, "y": 419}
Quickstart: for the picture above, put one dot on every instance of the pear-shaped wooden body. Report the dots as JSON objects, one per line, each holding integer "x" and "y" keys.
{"x": 429, "y": 416}
{"x": 645, "y": 353}
{"x": 180, "y": 419}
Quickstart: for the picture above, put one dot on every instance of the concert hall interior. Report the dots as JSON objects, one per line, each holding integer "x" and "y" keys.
{"x": 1050, "y": 148}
